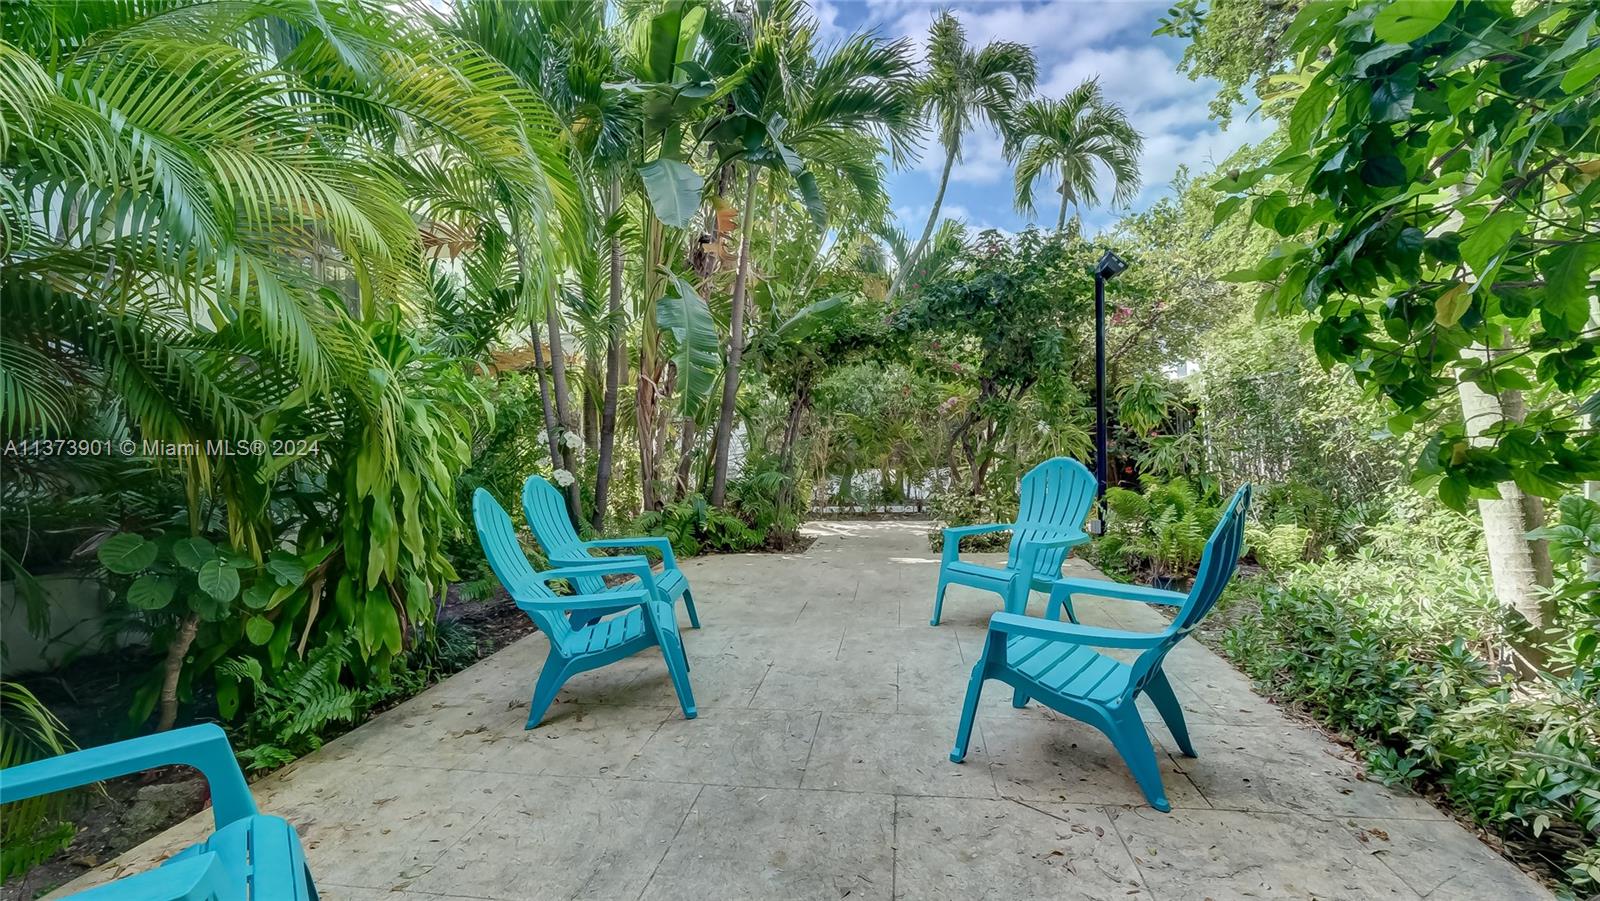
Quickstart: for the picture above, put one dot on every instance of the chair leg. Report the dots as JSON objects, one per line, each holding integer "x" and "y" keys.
{"x": 1058, "y": 604}
{"x": 1019, "y": 699}
{"x": 551, "y": 678}
{"x": 673, "y": 653}
{"x": 938, "y": 601}
{"x": 969, "y": 712}
{"x": 688, "y": 604}
{"x": 1017, "y": 596}
{"x": 1166, "y": 701}
{"x": 1133, "y": 743}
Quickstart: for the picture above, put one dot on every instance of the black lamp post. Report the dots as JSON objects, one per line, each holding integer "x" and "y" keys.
{"x": 1109, "y": 267}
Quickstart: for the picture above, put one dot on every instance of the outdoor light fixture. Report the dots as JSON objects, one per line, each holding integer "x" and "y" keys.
{"x": 1109, "y": 267}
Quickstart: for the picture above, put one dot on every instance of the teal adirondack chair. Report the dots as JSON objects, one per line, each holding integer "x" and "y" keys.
{"x": 250, "y": 856}
{"x": 1056, "y": 663}
{"x": 1055, "y": 500}
{"x": 644, "y": 616}
{"x": 547, "y": 517}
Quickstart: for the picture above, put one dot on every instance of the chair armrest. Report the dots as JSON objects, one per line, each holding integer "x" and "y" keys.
{"x": 1031, "y": 548}
{"x": 1094, "y": 636}
{"x": 607, "y": 601}
{"x": 1065, "y": 539}
{"x": 607, "y": 566}
{"x": 1105, "y": 588}
{"x": 200, "y": 876}
{"x": 657, "y": 542}
{"x": 954, "y": 534}
{"x": 203, "y": 747}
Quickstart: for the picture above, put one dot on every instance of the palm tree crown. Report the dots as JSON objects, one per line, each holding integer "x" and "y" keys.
{"x": 1071, "y": 139}
{"x": 963, "y": 86}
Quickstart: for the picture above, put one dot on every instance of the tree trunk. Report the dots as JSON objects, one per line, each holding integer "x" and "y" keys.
{"x": 730, "y": 378}
{"x": 651, "y": 370}
{"x": 1520, "y": 567}
{"x": 558, "y": 382}
{"x": 933, "y": 219}
{"x": 592, "y": 382}
{"x": 798, "y": 405}
{"x": 615, "y": 363}
{"x": 1061, "y": 217}
{"x": 552, "y": 432}
{"x": 173, "y": 669}
{"x": 685, "y": 458}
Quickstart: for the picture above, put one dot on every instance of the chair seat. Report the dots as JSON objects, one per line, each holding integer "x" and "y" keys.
{"x": 1072, "y": 670}
{"x": 965, "y": 573}
{"x": 611, "y": 632}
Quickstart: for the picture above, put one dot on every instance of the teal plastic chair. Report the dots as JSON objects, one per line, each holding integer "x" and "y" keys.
{"x": 1056, "y": 662}
{"x": 546, "y": 512}
{"x": 643, "y": 616}
{"x": 250, "y": 856}
{"x": 1055, "y": 500}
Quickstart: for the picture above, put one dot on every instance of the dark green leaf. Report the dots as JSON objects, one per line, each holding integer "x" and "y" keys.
{"x": 126, "y": 553}
{"x": 258, "y": 629}
{"x": 192, "y": 553}
{"x": 151, "y": 592}
{"x": 219, "y": 580}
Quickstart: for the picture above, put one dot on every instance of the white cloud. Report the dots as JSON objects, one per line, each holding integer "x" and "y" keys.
{"x": 982, "y": 162}
{"x": 1164, "y": 153}
{"x": 1049, "y": 28}
{"x": 1074, "y": 40}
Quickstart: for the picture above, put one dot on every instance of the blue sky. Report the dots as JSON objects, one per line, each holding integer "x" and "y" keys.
{"x": 1074, "y": 40}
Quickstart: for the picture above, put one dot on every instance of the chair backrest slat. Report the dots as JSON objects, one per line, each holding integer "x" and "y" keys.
{"x": 546, "y": 511}
{"x": 1218, "y": 563}
{"x": 1056, "y": 496}
{"x": 498, "y": 538}
{"x": 547, "y": 517}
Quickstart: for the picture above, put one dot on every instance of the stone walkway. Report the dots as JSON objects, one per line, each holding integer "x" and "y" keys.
{"x": 818, "y": 769}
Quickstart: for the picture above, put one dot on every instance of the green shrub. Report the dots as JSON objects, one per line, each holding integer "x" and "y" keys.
{"x": 1160, "y": 532}
{"x": 957, "y": 508}
{"x": 1400, "y": 647}
{"x": 695, "y": 527}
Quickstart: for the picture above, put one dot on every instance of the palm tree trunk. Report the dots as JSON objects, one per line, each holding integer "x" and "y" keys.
{"x": 590, "y": 413}
{"x": 933, "y": 219}
{"x": 614, "y": 366}
{"x": 730, "y": 379}
{"x": 651, "y": 371}
{"x": 685, "y": 458}
{"x": 552, "y": 433}
{"x": 558, "y": 382}
{"x": 1061, "y": 217}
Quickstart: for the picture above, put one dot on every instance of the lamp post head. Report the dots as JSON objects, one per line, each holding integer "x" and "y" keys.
{"x": 1110, "y": 266}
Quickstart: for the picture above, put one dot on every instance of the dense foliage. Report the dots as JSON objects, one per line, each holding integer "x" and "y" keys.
{"x": 284, "y": 283}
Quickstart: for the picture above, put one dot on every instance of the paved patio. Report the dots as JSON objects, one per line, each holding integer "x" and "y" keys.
{"x": 818, "y": 769}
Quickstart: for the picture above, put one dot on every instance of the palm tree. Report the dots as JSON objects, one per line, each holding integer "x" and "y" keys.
{"x": 794, "y": 113}
{"x": 211, "y": 213}
{"x": 961, "y": 87}
{"x": 1071, "y": 139}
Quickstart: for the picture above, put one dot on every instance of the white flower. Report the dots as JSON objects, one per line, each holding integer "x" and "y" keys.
{"x": 564, "y": 478}
{"x": 572, "y": 440}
